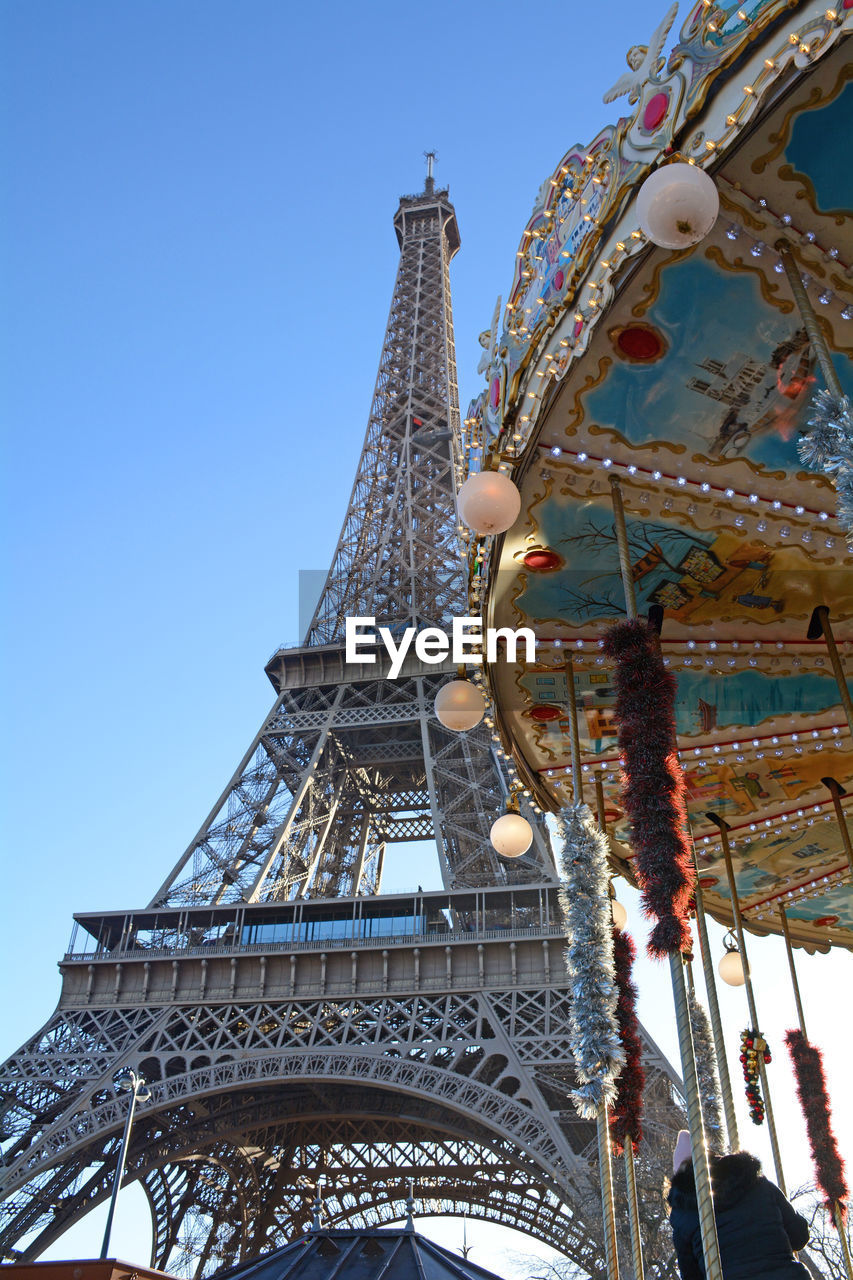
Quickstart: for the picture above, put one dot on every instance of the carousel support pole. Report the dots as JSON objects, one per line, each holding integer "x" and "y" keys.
{"x": 633, "y": 1210}
{"x": 794, "y": 983}
{"x": 809, "y": 319}
{"x": 842, "y": 1236}
{"x": 819, "y": 625}
{"x": 801, "y": 1018}
{"x": 837, "y": 791}
{"x": 602, "y": 1125}
{"x": 630, "y": 1172}
{"x": 701, "y": 1169}
{"x": 723, "y": 828}
{"x": 602, "y": 1130}
{"x": 621, "y": 529}
{"x": 599, "y": 801}
{"x": 716, "y": 1020}
{"x": 575, "y": 741}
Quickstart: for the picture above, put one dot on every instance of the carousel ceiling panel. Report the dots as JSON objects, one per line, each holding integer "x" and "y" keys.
{"x": 718, "y": 364}
{"x": 694, "y": 388}
{"x": 811, "y": 155}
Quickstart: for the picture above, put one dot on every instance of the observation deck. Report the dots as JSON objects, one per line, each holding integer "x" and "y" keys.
{"x": 490, "y": 939}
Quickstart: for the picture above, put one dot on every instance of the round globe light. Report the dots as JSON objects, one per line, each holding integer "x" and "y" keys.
{"x": 677, "y": 205}
{"x": 730, "y": 969}
{"x": 511, "y": 835}
{"x": 489, "y": 502}
{"x": 620, "y": 915}
{"x": 459, "y": 705}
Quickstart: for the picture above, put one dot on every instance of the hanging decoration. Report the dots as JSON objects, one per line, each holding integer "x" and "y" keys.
{"x": 653, "y": 785}
{"x": 626, "y": 1115}
{"x": 585, "y": 906}
{"x": 829, "y": 447}
{"x": 814, "y": 1100}
{"x": 752, "y": 1043}
{"x": 709, "y": 1080}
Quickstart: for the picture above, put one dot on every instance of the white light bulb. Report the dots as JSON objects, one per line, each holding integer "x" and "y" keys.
{"x": 677, "y": 205}
{"x": 459, "y": 705}
{"x": 620, "y": 915}
{"x": 489, "y": 502}
{"x": 730, "y": 969}
{"x": 511, "y": 835}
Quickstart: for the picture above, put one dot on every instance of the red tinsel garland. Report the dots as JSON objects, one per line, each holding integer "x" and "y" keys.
{"x": 814, "y": 1099}
{"x": 627, "y": 1110}
{"x": 653, "y": 784}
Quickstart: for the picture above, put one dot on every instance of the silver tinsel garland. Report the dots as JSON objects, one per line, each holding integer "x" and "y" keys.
{"x": 585, "y": 904}
{"x": 829, "y": 447}
{"x": 709, "y": 1080}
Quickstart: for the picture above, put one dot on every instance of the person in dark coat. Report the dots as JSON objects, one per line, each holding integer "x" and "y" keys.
{"x": 757, "y": 1229}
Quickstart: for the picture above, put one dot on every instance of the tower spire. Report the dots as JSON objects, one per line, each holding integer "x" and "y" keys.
{"x": 429, "y": 186}
{"x": 346, "y": 763}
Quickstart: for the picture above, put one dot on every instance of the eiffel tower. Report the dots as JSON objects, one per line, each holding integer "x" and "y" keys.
{"x": 295, "y": 1026}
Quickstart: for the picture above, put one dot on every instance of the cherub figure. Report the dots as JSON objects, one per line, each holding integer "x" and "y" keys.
{"x": 643, "y": 59}
{"x": 489, "y": 340}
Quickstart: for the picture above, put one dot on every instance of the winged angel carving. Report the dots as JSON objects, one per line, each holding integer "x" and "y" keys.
{"x": 643, "y": 60}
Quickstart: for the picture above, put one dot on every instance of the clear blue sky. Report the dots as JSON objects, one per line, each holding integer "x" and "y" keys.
{"x": 198, "y": 259}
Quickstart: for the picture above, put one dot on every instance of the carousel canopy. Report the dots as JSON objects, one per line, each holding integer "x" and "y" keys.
{"x": 359, "y": 1255}
{"x": 690, "y": 374}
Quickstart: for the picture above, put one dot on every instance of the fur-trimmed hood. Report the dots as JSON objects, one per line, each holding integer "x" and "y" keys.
{"x": 732, "y": 1177}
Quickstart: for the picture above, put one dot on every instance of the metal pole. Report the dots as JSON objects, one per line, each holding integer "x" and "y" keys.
{"x": 787, "y": 932}
{"x": 602, "y": 1127}
{"x": 750, "y": 996}
{"x": 611, "y": 1255}
{"x": 630, "y": 1173}
{"x": 842, "y": 1236}
{"x": 836, "y": 1208}
{"x": 599, "y": 801}
{"x": 716, "y": 1020}
{"x": 820, "y": 623}
{"x": 810, "y": 323}
{"x": 701, "y": 1170}
{"x": 577, "y": 784}
{"x": 837, "y": 791}
{"x": 633, "y": 1210}
{"x": 137, "y": 1084}
{"x": 621, "y": 528}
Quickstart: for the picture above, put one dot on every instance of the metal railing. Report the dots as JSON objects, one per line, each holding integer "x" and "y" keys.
{"x": 436, "y": 937}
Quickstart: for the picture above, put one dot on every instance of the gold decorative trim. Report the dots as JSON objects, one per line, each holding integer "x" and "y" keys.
{"x": 758, "y": 469}
{"x": 815, "y": 99}
{"x": 652, "y": 287}
{"x": 576, "y": 413}
{"x": 738, "y": 267}
{"x": 843, "y": 344}
{"x": 744, "y": 215}
{"x": 788, "y": 173}
{"x": 676, "y": 447}
{"x": 709, "y": 74}
{"x": 780, "y": 139}
{"x": 537, "y": 500}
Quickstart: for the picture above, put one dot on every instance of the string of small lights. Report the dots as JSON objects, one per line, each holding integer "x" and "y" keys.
{"x": 769, "y": 507}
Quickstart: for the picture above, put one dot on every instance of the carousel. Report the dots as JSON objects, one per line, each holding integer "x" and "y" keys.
{"x": 658, "y": 482}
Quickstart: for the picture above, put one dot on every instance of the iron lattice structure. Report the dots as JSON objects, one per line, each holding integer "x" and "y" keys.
{"x": 290, "y": 1030}
{"x": 348, "y": 761}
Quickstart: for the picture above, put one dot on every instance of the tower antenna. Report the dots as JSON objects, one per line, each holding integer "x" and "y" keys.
{"x": 430, "y": 157}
